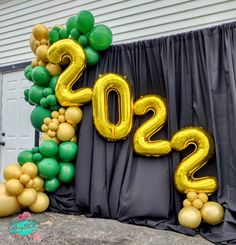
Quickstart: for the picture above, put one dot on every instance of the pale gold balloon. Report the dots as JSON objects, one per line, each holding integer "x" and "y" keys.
{"x": 38, "y": 183}
{"x": 103, "y": 86}
{"x": 47, "y": 120}
{"x": 51, "y": 133}
{"x": 54, "y": 69}
{"x": 61, "y": 118}
{"x": 14, "y": 187}
{"x": 12, "y": 171}
{"x": 27, "y": 197}
{"x": 8, "y": 204}
{"x": 187, "y": 203}
{"x": 47, "y": 137}
{"x": 204, "y": 145}
{"x": 31, "y": 43}
{"x": 24, "y": 179}
{"x": 74, "y": 139}
{"x": 30, "y": 184}
{"x": 55, "y": 114}
{"x": 62, "y": 111}
{"x": 34, "y": 63}
{"x": 30, "y": 169}
{"x": 41, "y": 63}
{"x": 41, "y": 203}
{"x": 192, "y": 195}
{"x": 212, "y": 213}
{"x": 64, "y": 93}
{"x": 203, "y": 197}
{"x": 40, "y": 31}
{"x": 41, "y": 53}
{"x": 73, "y": 115}
{"x": 53, "y": 126}
{"x": 44, "y": 128}
{"x": 190, "y": 217}
{"x": 65, "y": 132}
{"x": 197, "y": 203}
{"x": 142, "y": 142}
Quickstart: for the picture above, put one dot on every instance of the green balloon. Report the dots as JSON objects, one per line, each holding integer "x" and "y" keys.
{"x": 40, "y": 76}
{"x": 47, "y": 91}
{"x": 26, "y": 94}
{"x": 71, "y": 23}
{"x": 44, "y": 102}
{"x": 35, "y": 150}
{"x": 66, "y": 172}
{"x": 36, "y": 94}
{"x": 54, "y": 35}
{"x": 63, "y": 33}
{"x": 37, "y": 116}
{"x": 51, "y": 99}
{"x": 48, "y": 168}
{"x": 25, "y": 156}
{"x": 67, "y": 151}
{"x": 100, "y": 38}
{"x": 48, "y": 148}
{"x": 74, "y": 33}
{"x": 53, "y": 82}
{"x": 27, "y": 72}
{"x": 37, "y": 157}
{"x": 83, "y": 41}
{"x": 92, "y": 56}
{"x": 50, "y": 42}
{"x": 85, "y": 21}
{"x": 56, "y": 28}
{"x": 54, "y": 107}
{"x": 51, "y": 185}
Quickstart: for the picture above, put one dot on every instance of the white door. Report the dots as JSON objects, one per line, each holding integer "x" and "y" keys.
{"x": 19, "y": 134}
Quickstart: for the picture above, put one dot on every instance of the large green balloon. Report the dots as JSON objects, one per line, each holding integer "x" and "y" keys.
{"x": 66, "y": 172}
{"x": 85, "y": 21}
{"x": 67, "y": 151}
{"x": 51, "y": 185}
{"x": 36, "y": 94}
{"x": 71, "y": 23}
{"x": 27, "y": 72}
{"x": 40, "y": 76}
{"x": 48, "y": 168}
{"x": 100, "y": 38}
{"x": 37, "y": 116}
{"x": 48, "y": 148}
{"x": 92, "y": 56}
{"x": 25, "y": 156}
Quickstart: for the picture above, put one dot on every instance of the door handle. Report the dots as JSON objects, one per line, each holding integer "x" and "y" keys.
{"x": 2, "y": 143}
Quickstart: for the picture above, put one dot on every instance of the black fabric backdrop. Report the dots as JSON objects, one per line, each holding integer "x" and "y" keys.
{"x": 196, "y": 73}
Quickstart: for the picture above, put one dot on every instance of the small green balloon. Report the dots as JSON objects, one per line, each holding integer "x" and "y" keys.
{"x": 50, "y": 41}
{"x": 53, "y": 82}
{"x": 51, "y": 99}
{"x": 36, "y": 94}
{"x": 74, "y": 33}
{"x": 83, "y": 41}
{"x": 48, "y": 168}
{"x": 55, "y": 107}
{"x": 54, "y": 35}
{"x": 100, "y": 38}
{"x": 35, "y": 150}
{"x": 48, "y": 148}
{"x": 37, "y": 116}
{"x": 37, "y": 157}
{"x": 26, "y": 94}
{"x": 63, "y": 33}
{"x": 47, "y": 91}
{"x": 25, "y": 156}
{"x": 51, "y": 185}
{"x": 67, "y": 151}
{"x": 85, "y": 21}
{"x": 40, "y": 76}
{"x": 28, "y": 69}
{"x": 92, "y": 56}
{"x": 44, "y": 102}
{"x": 56, "y": 28}
{"x": 66, "y": 172}
{"x": 71, "y": 23}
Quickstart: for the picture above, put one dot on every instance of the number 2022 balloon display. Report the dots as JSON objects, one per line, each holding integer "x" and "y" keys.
{"x": 142, "y": 143}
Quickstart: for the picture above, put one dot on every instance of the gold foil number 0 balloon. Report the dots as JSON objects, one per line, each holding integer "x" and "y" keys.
{"x": 203, "y": 142}
{"x": 57, "y": 53}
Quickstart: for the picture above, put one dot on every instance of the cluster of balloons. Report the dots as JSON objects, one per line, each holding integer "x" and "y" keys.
{"x": 23, "y": 188}
{"x": 197, "y": 208}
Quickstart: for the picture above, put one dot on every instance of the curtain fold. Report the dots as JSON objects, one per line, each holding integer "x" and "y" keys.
{"x": 195, "y": 72}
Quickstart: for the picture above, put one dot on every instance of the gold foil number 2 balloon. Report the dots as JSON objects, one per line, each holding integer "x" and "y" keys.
{"x": 57, "y": 53}
{"x": 203, "y": 142}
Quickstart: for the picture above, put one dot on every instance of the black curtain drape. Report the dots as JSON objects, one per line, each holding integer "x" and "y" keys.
{"x": 196, "y": 73}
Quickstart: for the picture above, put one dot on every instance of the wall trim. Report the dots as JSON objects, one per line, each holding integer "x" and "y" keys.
{"x": 14, "y": 67}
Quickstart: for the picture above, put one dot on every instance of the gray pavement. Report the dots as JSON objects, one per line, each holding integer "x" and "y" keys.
{"x": 69, "y": 229}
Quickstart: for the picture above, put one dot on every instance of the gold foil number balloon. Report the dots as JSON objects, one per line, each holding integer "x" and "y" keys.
{"x": 57, "y": 53}
{"x": 203, "y": 142}
{"x": 103, "y": 86}
{"x": 142, "y": 143}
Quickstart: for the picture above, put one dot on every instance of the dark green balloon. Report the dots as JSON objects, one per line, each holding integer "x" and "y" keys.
{"x": 47, "y": 91}
{"x": 53, "y": 82}
{"x": 25, "y": 156}
{"x": 44, "y": 102}
{"x": 35, "y": 150}
{"x": 37, "y": 116}
{"x": 71, "y": 23}
{"x": 51, "y": 99}
{"x": 66, "y": 172}
{"x": 36, "y": 94}
{"x": 40, "y": 76}
{"x": 50, "y": 41}
{"x": 37, "y": 157}
{"x": 92, "y": 56}
{"x": 51, "y": 185}
{"x": 54, "y": 35}
{"x": 26, "y": 94}
{"x": 67, "y": 151}
{"x": 83, "y": 41}
{"x": 63, "y": 33}
{"x": 48, "y": 168}
{"x": 54, "y": 107}
{"x": 100, "y": 38}
{"x": 48, "y": 148}
{"x": 74, "y": 33}
{"x": 85, "y": 21}
{"x": 27, "y": 72}
{"x": 56, "y": 28}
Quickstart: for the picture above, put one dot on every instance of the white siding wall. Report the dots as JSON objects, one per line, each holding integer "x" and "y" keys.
{"x": 130, "y": 20}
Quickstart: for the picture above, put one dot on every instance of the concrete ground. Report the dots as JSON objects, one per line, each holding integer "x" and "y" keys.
{"x": 62, "y": 229}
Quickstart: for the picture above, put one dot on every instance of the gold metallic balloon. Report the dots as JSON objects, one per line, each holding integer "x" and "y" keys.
{"x": 203, "y": 196}
{"x": 187, "y": 203}
{"x": 30, "y": 169}
{"x": 31, "y": 42}
{"x": 8, "y": 204}
{"x": 40, "y": 204}
{"x": 64, "y": 93}
{"x": 27, "y": 197}
{"x": 40, "y": 31}
{"x": 212, "y": 213}
{"x": 142, "y": 139}
{"x": 54, "y": 69}
{"x": 192, "y": 195}
{"x": 73, "y": 115}
{"x": 197, "y": 203}
{"x": 14, "y": 187}
{"x": 41, "y": 53}
{"x": 12, "y": 171}
{"x": 38, "y": 183}
{"x": 203, "y": 142}
{"x": 190, "y": 217}
{"x": 24, "y": 179}
{"x": 65, "y": 132}
{"x": 103, "y": 86}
